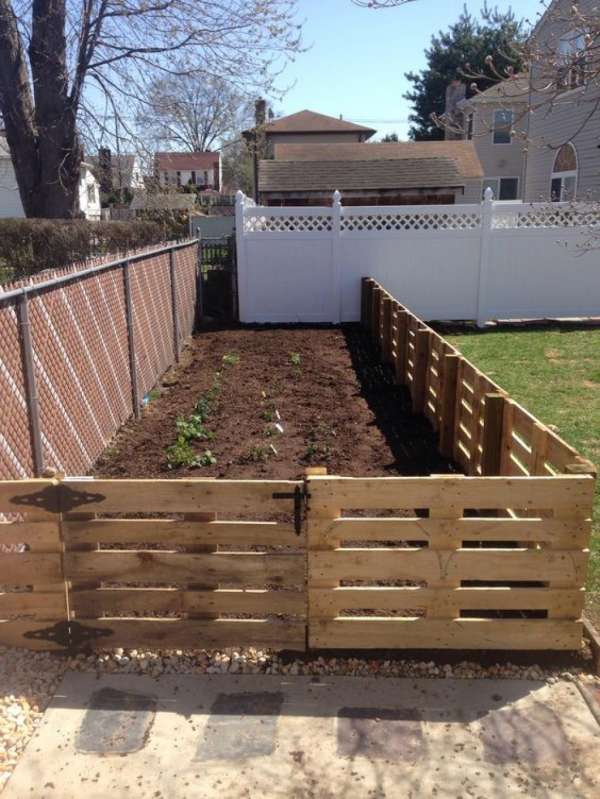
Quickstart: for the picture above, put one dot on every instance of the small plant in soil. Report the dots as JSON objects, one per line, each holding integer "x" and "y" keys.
{"x": 231, "y": 359}
{"x": 258, "y": 454}
{"x": 295, "y": 359}
{"x": 268, "y": 414}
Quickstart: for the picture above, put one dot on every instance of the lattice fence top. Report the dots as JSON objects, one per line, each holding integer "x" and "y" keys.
{"x": 532, "y": 217}
{"x": 414, "y": 220}
{"x": 300, "y": 223}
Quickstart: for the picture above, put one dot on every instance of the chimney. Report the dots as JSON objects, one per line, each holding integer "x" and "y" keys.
{"x": 260, "y": 112}
{"x": 105, "y": 170}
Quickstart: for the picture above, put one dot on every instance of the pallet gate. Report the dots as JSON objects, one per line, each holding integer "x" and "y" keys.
{"x": 493, "y": 559}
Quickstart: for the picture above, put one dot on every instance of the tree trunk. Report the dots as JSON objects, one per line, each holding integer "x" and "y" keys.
{"x": 42, "y": 138}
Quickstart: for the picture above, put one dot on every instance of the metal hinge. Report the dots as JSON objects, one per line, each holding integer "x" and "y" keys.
{"x": 69, "y": 634}
{"x": 298, "y": 495}
{"x": 57, "y": 499}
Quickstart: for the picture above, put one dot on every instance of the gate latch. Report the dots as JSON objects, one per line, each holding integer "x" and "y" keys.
{"x": 298, "y": 496}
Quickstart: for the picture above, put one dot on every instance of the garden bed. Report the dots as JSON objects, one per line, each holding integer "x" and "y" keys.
{"x": 323, "y": 387}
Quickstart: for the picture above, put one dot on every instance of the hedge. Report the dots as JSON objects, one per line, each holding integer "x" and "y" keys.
{"x": 28, "y": 246}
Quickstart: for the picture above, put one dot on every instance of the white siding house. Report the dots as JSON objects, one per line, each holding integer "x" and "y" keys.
{"x": 10, "y": 201}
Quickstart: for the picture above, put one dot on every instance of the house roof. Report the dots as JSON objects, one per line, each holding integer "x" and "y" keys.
{"x": 165, "y": 162}
{"x": 163, "y": 201}
{"x": 512, "y": 89}
{"x": 312, "y": 122}
{"x": 329, "y": 175}
{"x": 462, "y": 153}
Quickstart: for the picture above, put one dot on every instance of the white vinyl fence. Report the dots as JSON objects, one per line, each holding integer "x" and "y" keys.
{"x": 494, "y": 260}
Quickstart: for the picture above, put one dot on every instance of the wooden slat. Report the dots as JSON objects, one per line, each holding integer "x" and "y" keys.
{"x": 42, "y": 533}
{"x": 185, "y": 496}
{"x": 567, "y": 603}
{"x": 27, "y": 568}
{"x": 149, "y": 566}
{"x": 567, "y": 534}
{"x": 19, "y": 496}
{"x": 465, "y": 564}
{"x": 560, "y": 454}
{"x": 574, "y": 492}
{"x": 180, "y": 533}
{"x": 196, "y": 634}
{"x": 419, "y": 633}
{"x": 144, "y": 600}
{"x": 36, "y": 604}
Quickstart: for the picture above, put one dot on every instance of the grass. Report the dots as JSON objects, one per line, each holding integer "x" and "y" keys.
{"x": 555, "y": 374}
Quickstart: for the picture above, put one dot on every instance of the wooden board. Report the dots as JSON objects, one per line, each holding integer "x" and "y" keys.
{"x": 163, "y": 600}
{"x": 419, "y": 633}
{"x": 566, "y": 492}
{"x": 464, "y": 564}
{"x": 14, "y": 633}
{"x": 196, "y": 634}
{"x": 42, "y": 533}
{"x": 568, "y": 534}
{"x": 34, "y": 604}
{"x": 184, "y": 496}
{"x": 27, "y": 568}
{"x": 565, "y": 603}
{"x": 179, "y": 533}
{"x": 151, "y": 566}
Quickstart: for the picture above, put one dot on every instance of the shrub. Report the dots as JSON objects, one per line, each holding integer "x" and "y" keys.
{"x": 28, "y": 246}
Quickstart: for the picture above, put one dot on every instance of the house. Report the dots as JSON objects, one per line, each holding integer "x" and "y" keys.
{"x": 404, "y": 173}
{"x": 304, "y": 127}
{"x": 117, "y": 173}
{"x": 496, "y": 122}
{"x": 200, "y": 169}
{"x": 564, "y": 160}
{"x": 10, "y": 200}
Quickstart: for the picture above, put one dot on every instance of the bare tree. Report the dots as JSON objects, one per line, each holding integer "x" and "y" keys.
{"x": 192, "y": 112}
{"x": 67, "y": 61}
{"x": 381, "y": 3}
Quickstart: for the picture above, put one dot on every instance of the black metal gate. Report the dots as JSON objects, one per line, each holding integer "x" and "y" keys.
{"x": 218, "y": 279}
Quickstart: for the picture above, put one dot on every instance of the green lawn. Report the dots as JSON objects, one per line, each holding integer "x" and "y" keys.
{"x": 555, "y": 374}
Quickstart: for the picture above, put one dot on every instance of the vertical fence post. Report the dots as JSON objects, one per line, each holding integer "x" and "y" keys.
{"x": 487, "y": 210}
{"x": 242, "y": 264}
{"x": 387, "y": 343}
{"x": 336, "y": 232}
{"x": 422, "y": 350}
{"x": 31, "y": 395}
{"x": 375, "y": 313}
{"x": 173, "y": 277}
{"x": 448, "y": 404}
{"x": 401, "y": 344}
{"x": 493, "y": 434}
{"x": 366, "y": 288}
{"x": 135, "y": 400}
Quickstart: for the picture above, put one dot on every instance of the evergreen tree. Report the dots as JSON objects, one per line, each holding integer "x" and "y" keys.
{"x": 459, "y": 53}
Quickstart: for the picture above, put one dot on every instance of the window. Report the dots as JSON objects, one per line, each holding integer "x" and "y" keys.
{"x": 91, "y": 193}
{"x": 469, "y": 126}
{"x": 503, "y": 188}
{"x": 205, "y": 178}
{"x": 193, "y": 177}
{"x": 179, "y": 178}
{"x": 563, "y": 183}
{"x": 571, "y": 56}
{"x": 503, "y": 121}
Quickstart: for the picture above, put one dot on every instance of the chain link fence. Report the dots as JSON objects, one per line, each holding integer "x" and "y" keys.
{"x": 77, "y": 356}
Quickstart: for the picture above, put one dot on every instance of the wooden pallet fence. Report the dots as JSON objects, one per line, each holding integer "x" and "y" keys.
{"x": 447, "y": 580}
{"x": 173, "y": 582}
{"x": 33, "y": 605}
{"x": 453, "y": 394}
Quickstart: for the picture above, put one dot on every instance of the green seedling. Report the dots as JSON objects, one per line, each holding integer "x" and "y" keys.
{"x": 231, "y": 359}
{"x": 295, "y": 359}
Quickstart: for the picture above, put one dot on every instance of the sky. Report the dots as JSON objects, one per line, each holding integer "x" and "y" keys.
{"x": 357, "y": 58}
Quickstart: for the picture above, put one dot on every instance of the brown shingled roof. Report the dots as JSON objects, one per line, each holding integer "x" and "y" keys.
{"x": 311, "y": 122}
{"x": 462, "y": 153}
{"x": 399, "y": 173}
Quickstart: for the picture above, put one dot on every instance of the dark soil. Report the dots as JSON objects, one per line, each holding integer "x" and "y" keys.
{"x": 338, "y": 406}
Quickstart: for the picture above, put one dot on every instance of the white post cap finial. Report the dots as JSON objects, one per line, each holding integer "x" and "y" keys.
{"x": 488, "y": 194}
{"x": 337, "y": 197}
{"x": 240, "y": 196}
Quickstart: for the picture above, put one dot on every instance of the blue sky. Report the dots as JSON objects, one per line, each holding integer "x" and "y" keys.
{"x": 358, "y": 57}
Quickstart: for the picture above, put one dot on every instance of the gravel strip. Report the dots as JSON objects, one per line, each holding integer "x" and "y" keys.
{"x": 29, "y": 680}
